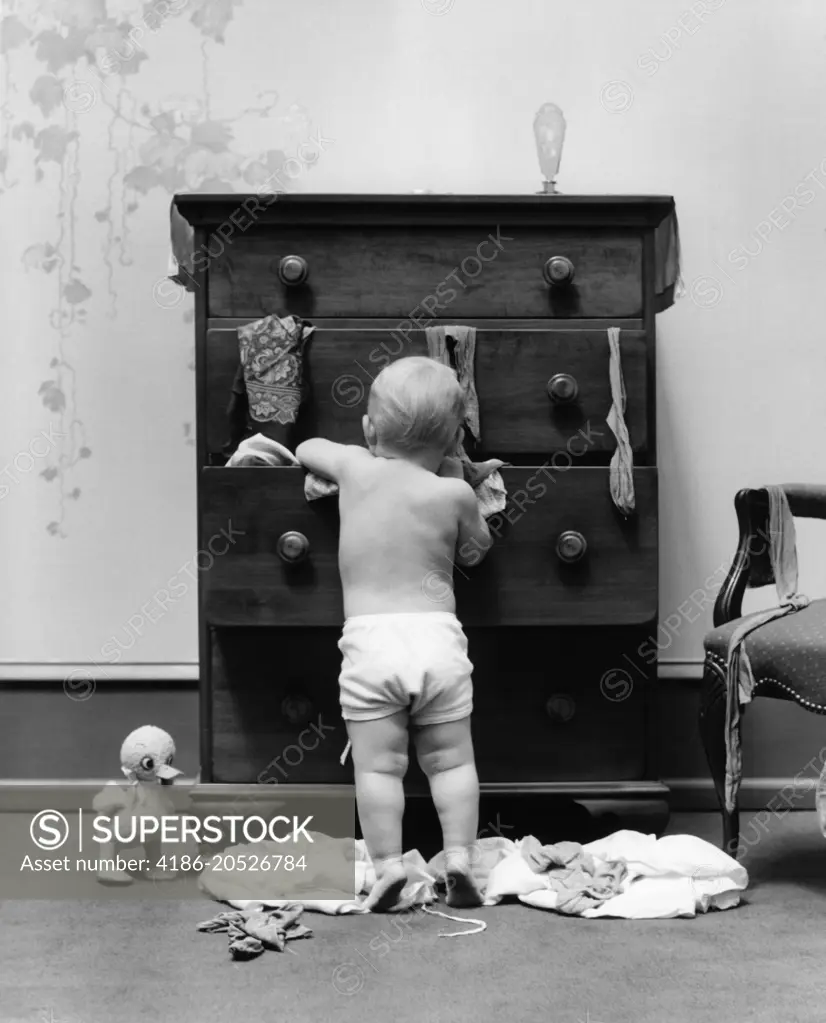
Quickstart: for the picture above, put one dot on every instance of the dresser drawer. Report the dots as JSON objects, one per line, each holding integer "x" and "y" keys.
{"x": 556, "y": 728}
{"x": 420, "y": 273}
{"x": 276, "y": 718}
{"x": 557, "y": 703}
{"x": 251, "y": 584}
{"x": 547, "y": 704}
{"x": 524, "y": 580}
{"x": 517, "y": 376}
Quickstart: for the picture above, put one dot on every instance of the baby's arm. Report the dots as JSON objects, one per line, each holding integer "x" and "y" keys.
{"x": 328, "y": 459}
{"x": 474, "y": 539}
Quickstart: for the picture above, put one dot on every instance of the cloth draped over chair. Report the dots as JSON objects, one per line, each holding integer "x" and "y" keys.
{"x": 739, "y": 676}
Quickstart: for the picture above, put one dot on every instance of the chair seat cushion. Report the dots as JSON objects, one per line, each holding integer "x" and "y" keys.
{"x": 787, "y": 654}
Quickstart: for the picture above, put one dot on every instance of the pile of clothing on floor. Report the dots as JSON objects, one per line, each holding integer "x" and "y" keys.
{"x": 627, "y": 875}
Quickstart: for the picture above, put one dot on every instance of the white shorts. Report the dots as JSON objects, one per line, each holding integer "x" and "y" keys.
{"x": 416, "y": 662}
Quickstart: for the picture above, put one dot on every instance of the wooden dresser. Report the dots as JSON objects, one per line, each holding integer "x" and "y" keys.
{"x": 559, "y": 611}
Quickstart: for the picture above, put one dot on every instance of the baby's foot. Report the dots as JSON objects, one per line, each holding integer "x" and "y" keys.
{"x": 392, "y": 877}
{"x": 462, "y": 891}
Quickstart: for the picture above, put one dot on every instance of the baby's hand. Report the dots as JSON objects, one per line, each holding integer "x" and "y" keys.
{"x": 451, "y": 468}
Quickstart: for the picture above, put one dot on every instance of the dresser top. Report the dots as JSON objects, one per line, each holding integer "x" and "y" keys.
{"x": 207, "y": 210}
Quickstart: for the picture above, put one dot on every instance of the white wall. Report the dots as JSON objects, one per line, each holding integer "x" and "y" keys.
{"x": 725, "y": 113}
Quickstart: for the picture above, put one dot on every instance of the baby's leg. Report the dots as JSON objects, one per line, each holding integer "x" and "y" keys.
{"x": 445, "y": 753}
{"x": 380, "y": 760}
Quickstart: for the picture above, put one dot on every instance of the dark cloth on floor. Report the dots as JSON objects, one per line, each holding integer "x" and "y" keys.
{"x": 579, "y": 881}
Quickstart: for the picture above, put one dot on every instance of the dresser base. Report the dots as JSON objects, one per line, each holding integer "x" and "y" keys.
{"x": 552, "y": 811}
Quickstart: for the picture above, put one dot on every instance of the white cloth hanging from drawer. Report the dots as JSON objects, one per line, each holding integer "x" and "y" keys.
{"x": 264, "y": 452}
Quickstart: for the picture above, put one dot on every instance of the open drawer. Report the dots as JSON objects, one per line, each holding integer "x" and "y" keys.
{"x": 563, "y": 554}
{"x": 540, "y": 391}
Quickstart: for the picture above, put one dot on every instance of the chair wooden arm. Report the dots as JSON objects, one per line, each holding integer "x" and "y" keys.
{"x": 752, "y": 565}
{"x": 806, "y": 500}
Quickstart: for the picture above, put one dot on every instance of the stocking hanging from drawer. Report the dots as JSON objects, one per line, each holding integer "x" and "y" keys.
{"x": 269, "y": 384}
{"x": 464, "y": 353}
{"x": 484, "y": 477}
{"x": 622, "y": 461}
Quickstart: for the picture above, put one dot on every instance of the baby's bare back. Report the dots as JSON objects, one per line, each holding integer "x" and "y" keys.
{"x": 398, "y": 536}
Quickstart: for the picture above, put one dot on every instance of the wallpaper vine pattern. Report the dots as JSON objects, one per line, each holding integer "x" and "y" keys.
{"x": 90, "y": 52}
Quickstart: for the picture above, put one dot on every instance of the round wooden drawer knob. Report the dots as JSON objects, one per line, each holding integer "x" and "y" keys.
{"x": 571, "y": 546}
{"x": 558, "y": 271}
{"x": 563, "y": 389}
{"x": 560, "y": 708}
{"x": 293, "y": 547}
{"x": 293, "y": 270}
{"x": 297, "y": 709}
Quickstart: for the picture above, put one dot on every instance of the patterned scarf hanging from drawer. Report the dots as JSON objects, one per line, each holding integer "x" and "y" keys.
{"x": 272, "y": 358}
{"x": 268, "y": 387}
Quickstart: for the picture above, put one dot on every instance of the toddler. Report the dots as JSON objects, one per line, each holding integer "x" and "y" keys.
{"x": 406, "y": 514}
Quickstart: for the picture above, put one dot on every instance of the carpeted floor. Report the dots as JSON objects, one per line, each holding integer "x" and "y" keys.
{"x": 144, "y": 962}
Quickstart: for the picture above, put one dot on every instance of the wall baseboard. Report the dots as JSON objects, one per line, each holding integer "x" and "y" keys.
{"x": 680, "y": 670}
{"x": 187, "y": 671}
{"x": 19, "y": 795}
{"x": 77, "y": 674}
{"x": 687, "y": 795}
{"x": 691, "y": 795}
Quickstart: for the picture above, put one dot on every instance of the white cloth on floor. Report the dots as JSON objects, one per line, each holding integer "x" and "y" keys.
{"x": 329, "y": 868}
{"x": 675, "y": 876}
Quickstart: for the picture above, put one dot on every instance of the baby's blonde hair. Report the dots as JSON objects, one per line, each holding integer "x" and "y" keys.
{"x": 416, "y": 404}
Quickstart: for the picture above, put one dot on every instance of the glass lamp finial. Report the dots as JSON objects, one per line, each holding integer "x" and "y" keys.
{"x": 549, "y": 132}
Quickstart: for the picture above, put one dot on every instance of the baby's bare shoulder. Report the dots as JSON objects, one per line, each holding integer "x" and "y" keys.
{"x": 458, "y": 489}
{"x": 357, "y": 460}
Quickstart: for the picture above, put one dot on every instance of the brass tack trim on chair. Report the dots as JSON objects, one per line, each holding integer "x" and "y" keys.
{"x": 818, "y": 708}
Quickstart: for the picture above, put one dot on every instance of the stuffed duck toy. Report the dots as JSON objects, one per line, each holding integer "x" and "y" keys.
{"x": 146, "y": 758}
